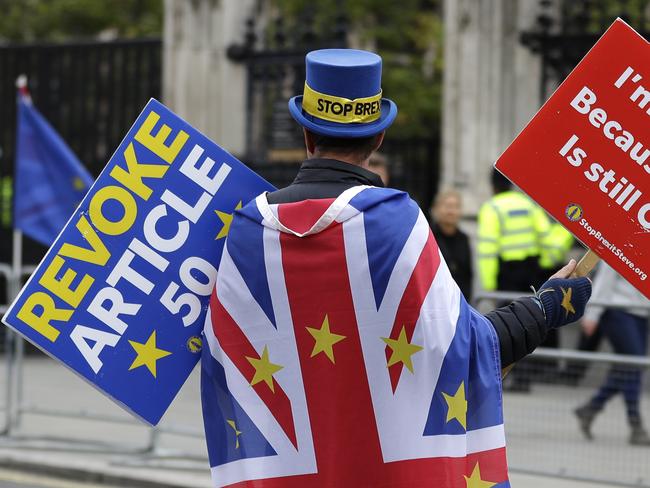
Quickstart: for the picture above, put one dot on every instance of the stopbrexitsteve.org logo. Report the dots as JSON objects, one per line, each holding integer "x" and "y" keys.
{"x": 573, "y": 212}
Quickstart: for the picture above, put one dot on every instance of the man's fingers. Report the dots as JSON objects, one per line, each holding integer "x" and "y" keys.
{"x": 566, "y": 271}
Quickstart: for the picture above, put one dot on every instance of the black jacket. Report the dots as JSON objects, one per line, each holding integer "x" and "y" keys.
{"x": 455, "y": 249}
{"x": 520, "y": 326}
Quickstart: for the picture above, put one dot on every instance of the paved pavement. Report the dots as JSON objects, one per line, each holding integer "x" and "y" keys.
{"x": 542, "y": 435}
{"x": 11, "y": 478}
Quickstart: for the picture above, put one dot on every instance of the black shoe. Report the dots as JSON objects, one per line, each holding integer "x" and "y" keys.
{"x": 586, "y": 415}
{"x": 639, "y": 436}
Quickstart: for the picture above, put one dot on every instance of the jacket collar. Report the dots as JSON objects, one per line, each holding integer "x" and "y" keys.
{"x": 322, "y": 169}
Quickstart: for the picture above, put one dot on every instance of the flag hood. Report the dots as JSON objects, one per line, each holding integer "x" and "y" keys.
{"x": 317, "y": 215}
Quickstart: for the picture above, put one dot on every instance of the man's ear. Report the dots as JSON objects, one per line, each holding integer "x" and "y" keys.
{"x": 309, "y": 142}
{"x": 380, "y": 140}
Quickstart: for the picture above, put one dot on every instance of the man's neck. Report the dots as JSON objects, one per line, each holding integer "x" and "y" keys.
{"x": 341, "y": 157}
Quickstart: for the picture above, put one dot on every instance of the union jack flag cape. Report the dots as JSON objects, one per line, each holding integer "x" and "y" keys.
{"x": 340, "y": 353}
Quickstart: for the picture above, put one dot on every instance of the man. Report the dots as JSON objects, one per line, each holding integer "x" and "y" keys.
{"x": 513, "y": 242}
{"x": 340, "y": 351}
{"x": 626, "y": 328}
{"x": 512, "y": 239}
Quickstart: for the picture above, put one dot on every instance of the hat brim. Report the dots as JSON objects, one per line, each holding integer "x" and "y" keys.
{"x": 334, "y": 129}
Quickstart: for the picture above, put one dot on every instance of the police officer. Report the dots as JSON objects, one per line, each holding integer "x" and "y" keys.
{"x": 513, "y": 237}
{"x": 556, "y": 248}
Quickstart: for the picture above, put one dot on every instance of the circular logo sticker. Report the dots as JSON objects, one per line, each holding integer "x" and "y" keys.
{"x": 573, "y": 212}
{"x": 194, "y": 344}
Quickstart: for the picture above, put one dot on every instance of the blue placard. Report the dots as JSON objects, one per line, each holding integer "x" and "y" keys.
{"x": 122, "y": 294}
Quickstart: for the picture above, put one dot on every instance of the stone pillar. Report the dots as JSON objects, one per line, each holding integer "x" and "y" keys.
{"x": 491, "y": 89}
{"x": 199, "y": 82}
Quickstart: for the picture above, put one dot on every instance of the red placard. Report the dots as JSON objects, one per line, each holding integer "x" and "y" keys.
{"x": 585, "y": 156}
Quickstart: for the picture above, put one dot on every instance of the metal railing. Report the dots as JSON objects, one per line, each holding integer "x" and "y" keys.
{"x": 16, "y": 406}
{"x": 545, "y": 435}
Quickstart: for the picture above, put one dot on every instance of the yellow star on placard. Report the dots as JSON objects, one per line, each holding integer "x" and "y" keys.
{"x": 78, "y": 184}
{"x": 147, "y": 354}
{"x": 237, "y": 432}
{"x": 475, "y": 480}
{"x": 264, "y": 369}
{"x": 226, "y": 218}
{"x": 402, "y": 350}
{"x": 566, "y": 301}
{"x": 324, "y": 340}
{"x": 457, "y": 405}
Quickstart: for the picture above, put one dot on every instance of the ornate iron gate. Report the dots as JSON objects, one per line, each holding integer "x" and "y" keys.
{"x": 566, "y": 29}
{"x": 90, "y": 92}
{"x": 273, "y": 50}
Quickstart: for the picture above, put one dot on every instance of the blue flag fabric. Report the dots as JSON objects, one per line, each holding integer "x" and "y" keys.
{"x": 50, "y": 179}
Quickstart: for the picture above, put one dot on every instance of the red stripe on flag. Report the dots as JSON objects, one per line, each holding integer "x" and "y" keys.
{"x": 237, "y": 346}
{"x": 343, "y": 425}
{"x": 412, "y": 300}
{"x": 301, "y": 216}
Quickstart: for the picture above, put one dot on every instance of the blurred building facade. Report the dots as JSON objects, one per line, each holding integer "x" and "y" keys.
{"x": 503, "y": 59}
{"x": 491, "y": 89}
{"x": 230, "y": 67}
{"x": 200, "y": 83}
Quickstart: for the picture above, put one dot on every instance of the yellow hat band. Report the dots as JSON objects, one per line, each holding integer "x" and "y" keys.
{"x": 341, "y": 110}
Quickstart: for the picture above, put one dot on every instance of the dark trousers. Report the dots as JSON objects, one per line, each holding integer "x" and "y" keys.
{"x": 628, "y": 334}
{"x": 576, "y": 370}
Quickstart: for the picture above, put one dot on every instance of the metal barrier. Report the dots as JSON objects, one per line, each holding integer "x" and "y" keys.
{"x": 16, "y": 407}
{"x": 544, "y": 433}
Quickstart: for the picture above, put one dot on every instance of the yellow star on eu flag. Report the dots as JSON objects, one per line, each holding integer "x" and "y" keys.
{"x": 457, "y": 405}
{"x": 226, "y": 218}
{"x": 325, "y": 340}
{"x": 402, "y": 350}
{"x": 264, "y": 369}
{"x": 147, "y": 354}
{"x": 475, "y": 481}
{"x": 78, "y": 184}
{"x": 566, "y": 301}
{"x": 237, "y": 432}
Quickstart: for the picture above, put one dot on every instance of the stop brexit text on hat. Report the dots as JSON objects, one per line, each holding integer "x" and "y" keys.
{"x": 585, "y": 158}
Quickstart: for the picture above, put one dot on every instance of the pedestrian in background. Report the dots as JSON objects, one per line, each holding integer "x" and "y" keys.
{"x": 445, "y": 213}
{"x": 512, "y": 233}
{"x": 627, "y": 331}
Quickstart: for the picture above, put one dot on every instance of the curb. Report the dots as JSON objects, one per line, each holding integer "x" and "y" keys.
{"x": 82, "y": 475}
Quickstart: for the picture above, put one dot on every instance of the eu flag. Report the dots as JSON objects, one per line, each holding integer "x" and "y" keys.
{"x": 50, "y": 179}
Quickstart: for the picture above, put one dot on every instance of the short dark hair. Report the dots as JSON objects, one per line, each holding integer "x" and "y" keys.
{"x": 359, "y": 147}
{"x": 499, "y": 182}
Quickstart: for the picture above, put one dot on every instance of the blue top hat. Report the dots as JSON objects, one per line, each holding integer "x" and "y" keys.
{"x": 342, "y": 96}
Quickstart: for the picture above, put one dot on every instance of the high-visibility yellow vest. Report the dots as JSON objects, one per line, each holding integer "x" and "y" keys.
{"x": 6, "y": 198}
{"x": 511, "y": 227}
{"x": 556, "y": 246}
